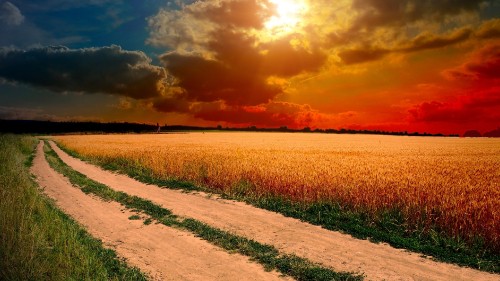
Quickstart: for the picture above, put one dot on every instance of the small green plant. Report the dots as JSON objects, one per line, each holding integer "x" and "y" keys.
{"x": 134, "y": 217}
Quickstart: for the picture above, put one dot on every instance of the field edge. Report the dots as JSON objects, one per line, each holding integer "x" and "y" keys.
{"x": 329, "y": 216}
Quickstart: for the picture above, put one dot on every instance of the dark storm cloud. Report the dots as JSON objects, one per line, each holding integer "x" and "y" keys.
{"x": 210, "y": 80}
{"x": 108, "y": 70}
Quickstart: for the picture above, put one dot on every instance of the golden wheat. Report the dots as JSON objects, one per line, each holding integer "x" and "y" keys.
{"x": 449, "y": 182}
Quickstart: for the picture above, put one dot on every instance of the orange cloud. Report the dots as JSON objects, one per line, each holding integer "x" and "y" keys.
{"x": 229, "y": 68}
{"x": 273, "y": 114}
{"x": 479, "y": 106}
{"x": 483, "y": 64}
{"x": 489, "y": 29}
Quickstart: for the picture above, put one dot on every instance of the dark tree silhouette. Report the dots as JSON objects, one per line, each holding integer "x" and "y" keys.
{"x": 472, "y": 134}
{"x": 492, "y": 134}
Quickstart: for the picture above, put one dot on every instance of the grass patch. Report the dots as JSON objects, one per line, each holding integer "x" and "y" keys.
{"x": 388, "y": 227}
{"x": 268, "y": 256}
{"x": 37, "y": 240}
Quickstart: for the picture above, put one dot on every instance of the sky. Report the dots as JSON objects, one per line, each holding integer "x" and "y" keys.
{"x": 398, "y": 65}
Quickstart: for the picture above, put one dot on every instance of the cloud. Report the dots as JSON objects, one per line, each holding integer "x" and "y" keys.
{"x": 108, "y": 70}
{"x": 379, "y": 13}
{"x": 171, "y": 104}
{"x": 180, "y": 30}
{"x": 210, "y": 80}
{"x": 479, "y": 106}
{"x": 424, "y": 41}
{"x": 218, "y": 56}
{"x": 382, "y": 27}
{"x": 10, "y": 14}
{"x": 489, "y": 29}
{"x": 355, "y": 56}
{"x": 245, "y": 14}
{"x": 227, "y": 66}
{"x": 270, "y": 114}
{"x": 427, "y": 41}
{"x": 483, "y": 64}
{"x": 273, "y": 114}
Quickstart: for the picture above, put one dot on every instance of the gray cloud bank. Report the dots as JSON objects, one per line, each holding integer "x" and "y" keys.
{"x": 108, "y": 70}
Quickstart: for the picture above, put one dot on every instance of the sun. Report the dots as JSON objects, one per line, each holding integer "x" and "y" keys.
{"x": 287, "y": 17}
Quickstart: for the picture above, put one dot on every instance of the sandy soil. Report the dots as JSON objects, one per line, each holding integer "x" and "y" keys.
{"x": 163, "y": 253}
{"x": 336, "y": 250}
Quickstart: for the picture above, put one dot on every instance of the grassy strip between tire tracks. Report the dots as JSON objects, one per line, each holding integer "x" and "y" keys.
{"x": 389, "y": 229}
{"x": 37, "y": 240}
{"x": 268, "y": 256}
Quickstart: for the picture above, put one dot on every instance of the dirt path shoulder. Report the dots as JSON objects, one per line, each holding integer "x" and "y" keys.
{"x": 336, "y": 250}
{"x": 163, "y": 253}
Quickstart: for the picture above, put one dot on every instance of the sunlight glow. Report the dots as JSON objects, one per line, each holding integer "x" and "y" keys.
{"x": 288, "y": 16}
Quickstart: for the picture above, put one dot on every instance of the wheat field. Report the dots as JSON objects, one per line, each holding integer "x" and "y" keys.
{"x": 449, "y": 183}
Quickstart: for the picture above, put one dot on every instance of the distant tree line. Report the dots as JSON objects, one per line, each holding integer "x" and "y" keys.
{"x": 333, "y": 131}
{"x": 51, "y": 127}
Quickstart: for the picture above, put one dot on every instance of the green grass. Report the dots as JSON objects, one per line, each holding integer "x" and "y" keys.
{"x": 37, "y": 240}
{"x": 268, "y": 256}
{"x": 388, "y": 227}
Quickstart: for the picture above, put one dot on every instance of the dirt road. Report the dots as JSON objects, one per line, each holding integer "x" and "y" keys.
{"x": 162, "y": 252}
{"x": 336, "y": 250}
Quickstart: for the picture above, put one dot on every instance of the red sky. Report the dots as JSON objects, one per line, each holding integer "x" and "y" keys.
{"x": 405, "y": 65}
